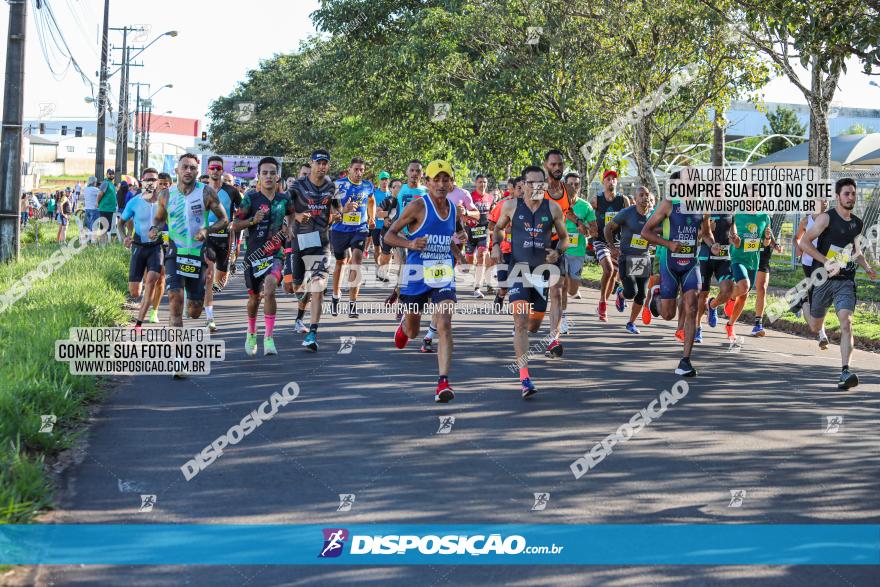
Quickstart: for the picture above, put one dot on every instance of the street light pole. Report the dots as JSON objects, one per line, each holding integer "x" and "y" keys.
{"x": 10, "y": 143}
{"x": 101, "y": 142}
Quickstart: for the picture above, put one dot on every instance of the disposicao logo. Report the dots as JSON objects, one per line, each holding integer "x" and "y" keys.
{"x": 334, "y": 540}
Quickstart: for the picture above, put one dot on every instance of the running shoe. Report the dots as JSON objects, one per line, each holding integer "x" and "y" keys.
{"x": 217, "y": 288}
{"x": 577, "y": 296}
{"x": 713, "y": 313}
{"x": 631, "y": 328}
{"x": 154, "y": 316}
{"x": 400, "y": 338}
{"x": 444, "y": 393}
{"x": 646, "y": 314}
{"x": 392, "y": 299}
{"x": 847, "y": 379}
{"x": 620, "y": 302}
{"x": 698, "y": 336}
{"x": 758, "y": 331}
{"x": 823, "y": 343}
{"x": 427, "y": 345}
{"x": 489, "y": 289}
{"x": 728, "y": 308}
{"x": 685, "y": 369}
{"x": 563, "y": 325}
{"x": 269, "y": 346}
{"x": 334, "y": 306}
{"x": 731, "y": 335}
{"x": 311, "y": 342}
{"x": 250, "y": 345}
{"x": 478, "y": 294}
{"x": 679, "y": 334}
{"x": 300, "y": 328}
{"x": 352, "y": 310}
{"x": 212, "y": 326}
{"x": 655, "y": 302}
{"x": 554, "y": 350}
{"x": 528, "y": 388}
{"x": 602, "y": 312}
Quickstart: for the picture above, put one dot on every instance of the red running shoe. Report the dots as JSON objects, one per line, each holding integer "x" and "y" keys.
{"x": 400, "y": 338}
{"x": 444, "y": 393}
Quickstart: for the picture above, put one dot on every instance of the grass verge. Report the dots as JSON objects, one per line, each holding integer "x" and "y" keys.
{"x": 88, "y": 290}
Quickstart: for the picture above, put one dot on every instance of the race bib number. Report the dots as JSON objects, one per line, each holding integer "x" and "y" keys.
{"x": 438, "y": 273}
{"x": 723, "y": 255}
{"x": 165, "y": 237}
{"x": 609, "y": 216}
{"x": 574, "y": 239}
{"x": 751, "y": 245}
{"x": 309, "y": 240}
{"x": 219, "y": 234}
{"x": 351, "y": 219}
{"x": 637, "y": 242}
{"x": 838, "y": 254}
{"x": 189, "y": 266}
{"x": 639, "y": 267}
{"x": 686, "y": 250}
{"x": 478, "y": 232}
{"x": 261, "y": 266}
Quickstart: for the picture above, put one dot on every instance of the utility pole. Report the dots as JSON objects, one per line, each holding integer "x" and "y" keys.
{"x": 137, "y": 127}
{"x": 101, "y": 142}
{"x": 122, "y": 115}
{"x": 10, "y": 143}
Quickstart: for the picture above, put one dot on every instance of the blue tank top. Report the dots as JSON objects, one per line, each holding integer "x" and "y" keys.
{"x": 432, "y": 268}
{"x": 681, "y": 228}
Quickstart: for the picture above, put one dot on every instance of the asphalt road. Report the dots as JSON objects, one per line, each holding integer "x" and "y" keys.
{"x": 365, "y": 423}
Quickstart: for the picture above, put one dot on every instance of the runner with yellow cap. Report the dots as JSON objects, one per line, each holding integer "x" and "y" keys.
{"x": 428, "y": 275}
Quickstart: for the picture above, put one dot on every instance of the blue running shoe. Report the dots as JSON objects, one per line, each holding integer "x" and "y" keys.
{"x": 698, "y": 337}
{"x": 528, "y": 388}
{"x": 631, "y": 328}
{"x": 713, "y": 314}
{"x": 758, "y": 330}
{"x": 311, "y": 342}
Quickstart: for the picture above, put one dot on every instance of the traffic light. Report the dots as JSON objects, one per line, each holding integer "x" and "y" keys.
{"x": 63, "y": 130}
{"x": 204, "y": 136}
{"x": 78, "y": 131}
{"x": 42, "y": 128}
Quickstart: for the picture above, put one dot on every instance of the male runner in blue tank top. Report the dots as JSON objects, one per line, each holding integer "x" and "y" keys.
{"x": 533, "y": 258}
{"x": 351, "y": 233}
{"x": 428, "y": 275}
{"x": 679, "y": 265}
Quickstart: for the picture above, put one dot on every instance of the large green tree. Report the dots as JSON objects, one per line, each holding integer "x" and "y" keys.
{"x": 783, "y": 121}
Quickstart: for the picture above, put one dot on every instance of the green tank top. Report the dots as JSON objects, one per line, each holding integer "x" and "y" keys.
{"x": 186, "y": 216}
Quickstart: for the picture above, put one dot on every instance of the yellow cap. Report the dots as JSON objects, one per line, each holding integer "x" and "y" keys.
{"x": 439, "y": 166}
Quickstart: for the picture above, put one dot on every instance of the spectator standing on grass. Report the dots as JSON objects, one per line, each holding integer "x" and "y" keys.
{"x": 50, "y": 206}
{"x": 107, "y": 201}
{"x": 63, "y": 216}
{"x": 90, "y": 200}
{"x": 23, "y": 209}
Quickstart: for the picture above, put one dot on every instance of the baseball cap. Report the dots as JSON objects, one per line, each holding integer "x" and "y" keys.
{"x": 320, "y": 155}
{"x": 439, "y": 166}
{"x": 113, "y": 171}
{"x": 384, "y": 175}
{"x": 609, "y": 172}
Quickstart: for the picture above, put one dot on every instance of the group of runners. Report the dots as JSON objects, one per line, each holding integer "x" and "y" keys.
{"x": 425, "y": 230}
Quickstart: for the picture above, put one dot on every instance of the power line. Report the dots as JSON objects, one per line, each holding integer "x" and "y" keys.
{"x": 54, "y": 45}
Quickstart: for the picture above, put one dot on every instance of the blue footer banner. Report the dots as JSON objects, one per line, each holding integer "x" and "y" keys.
{"x": 487, "y": 544}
